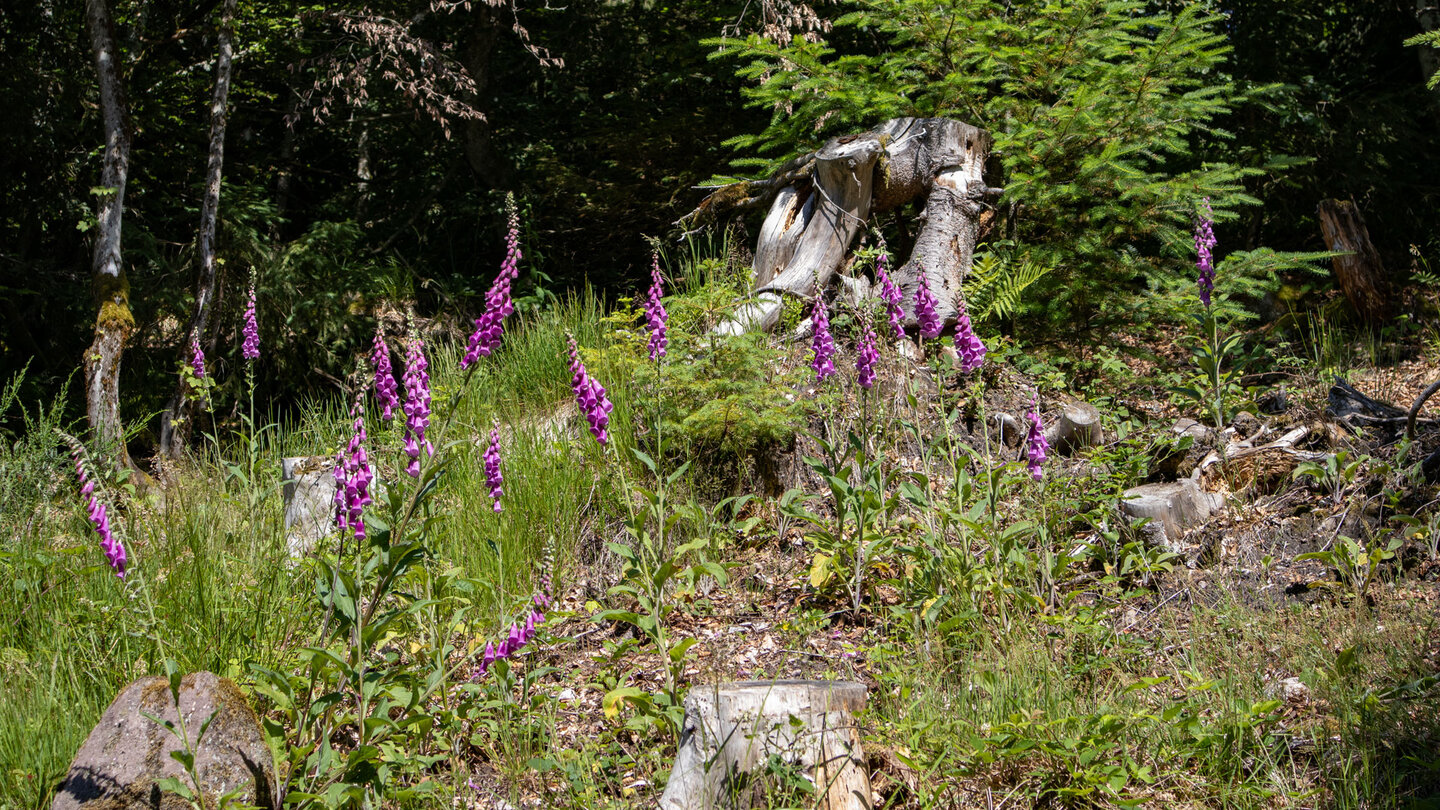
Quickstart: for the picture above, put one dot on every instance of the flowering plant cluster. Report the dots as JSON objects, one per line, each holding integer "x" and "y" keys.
{"x": 655, "y": 314}
{"x": 250, "y": 347}
{"x": 589, "y": 395}
{"x": 352, "y": 477}
{"x": 96, "y": 510}
{"x": 490, "y": 326}
{"x": 417, "y": 403}
{"x": 493, "y": 479}
{"x": 1036, "y": 446}
{"x": 386, "y": 392}
{"x": 824, "y": 343}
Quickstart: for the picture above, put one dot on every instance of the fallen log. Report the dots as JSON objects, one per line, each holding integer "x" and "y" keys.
{"x": 733, "y": 732}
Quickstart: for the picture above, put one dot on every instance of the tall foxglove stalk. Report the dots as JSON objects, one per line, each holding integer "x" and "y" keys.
{"x": 417, "y": 403}
{"x": 866, "y": 356}
{"x": 493, "y": 478}
{"x": 386, "y": 392}
{"x": 972, "y": 351}
{"x": 589, "y": 395}
{"x": 490, "y": 326}
{"x": 197, "y": 356}
{"x": 890, "y": 294}
{"x": 655, "y": 315}
{"x": 1204, "y": 246}
{"x": 250, "y": 347}
{"x": 925, "y": 303}
{"x": 353, "y": 476}
{"x": 823, "y": 343}
{"x": 96, "y": 510}
{"x": 1036, "y": 446}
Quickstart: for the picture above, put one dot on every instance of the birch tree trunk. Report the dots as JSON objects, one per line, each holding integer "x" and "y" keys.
{"x": 819, "y": 202}
{"x": 175, "y": 424}
{"x": 114, "y": 323}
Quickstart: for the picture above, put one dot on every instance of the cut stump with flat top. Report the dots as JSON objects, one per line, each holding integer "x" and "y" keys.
{"x": 736, "y": 733}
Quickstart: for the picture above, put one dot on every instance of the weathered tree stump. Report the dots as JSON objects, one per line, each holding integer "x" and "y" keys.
{"x": 733, "y": 730}
{"x": 1077, "y": 428}
{"x": 1172, "y": 508}
{"x": 819, "y": 202}
{"x": 1359, "y": 272}
{"x": 309, "y": 493}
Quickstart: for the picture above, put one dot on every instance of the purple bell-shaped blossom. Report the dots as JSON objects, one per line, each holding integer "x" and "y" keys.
{"x": 925, "y": 304}
{"x": 417, "y": 404}
{"x": 493, "y": 479}
{"x": 890, "y": 294}
{"x": 822, "y": 343}
{"x": 353, "y": 477}
{"x": 589, "y": 395}
{"x": 387, "y": 393}
{"x": 866, "y": 355}
{"x": 1036, "y": 447}
{"x": 972, "y": 351}
{"x": 97, "y": 512}
{"x": 1204, "y": 245}
{"x": 250, "y": 346}
{"x": 655, "y": 315}
{"x": 490, "y": 326}
{"x": 197, "y": 356}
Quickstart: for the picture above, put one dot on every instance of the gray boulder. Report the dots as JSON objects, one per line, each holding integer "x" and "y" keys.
{"x": 120, "y": 762}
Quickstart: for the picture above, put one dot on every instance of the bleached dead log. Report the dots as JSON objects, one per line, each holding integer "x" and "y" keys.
{"x": 819, "y": 202}
{"x": 733, "y": 730}
{"x": 1078, "y": 427}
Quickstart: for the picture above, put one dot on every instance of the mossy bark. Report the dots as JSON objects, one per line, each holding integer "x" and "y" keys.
{"x": 114, "y": 322}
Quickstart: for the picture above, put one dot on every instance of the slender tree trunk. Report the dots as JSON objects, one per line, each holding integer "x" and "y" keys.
{"x": 176, "y": 422}
{"x": 480, "y": 151}
{"x": 114, "y": 323}
{"x": 1359, "y": 271}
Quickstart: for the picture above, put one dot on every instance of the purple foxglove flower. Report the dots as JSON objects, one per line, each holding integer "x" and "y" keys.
{"x": 822, "y": 343}
{"x": 655, "y": 314}
{"x": 386, "y": 392}
{"x": 528, "y": 631}
{"x": 1204, "y": 244}
{"x": 972, "y": 351}
{"x": 925, "y": 308}
{"x": 866, "y": 356}
{"x": 352, "y": 478}
{"x": 417, "y": 404}
{"x": 197, "y": 356}
{"x": 492, "y": 468}
{"x": 590, "y": 395}
{"x": 489, "y": 659}
{"x": 98, "y": 514}
{"x": 250, "y": 347}
{"x": 513, "y": 641}
{"x": 890, "y": 294}
{"x": 490, "y": 326}
{"x": 1035, "y": 444}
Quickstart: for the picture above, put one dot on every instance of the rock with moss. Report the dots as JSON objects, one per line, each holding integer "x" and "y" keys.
{"x": 122, "y": 763}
